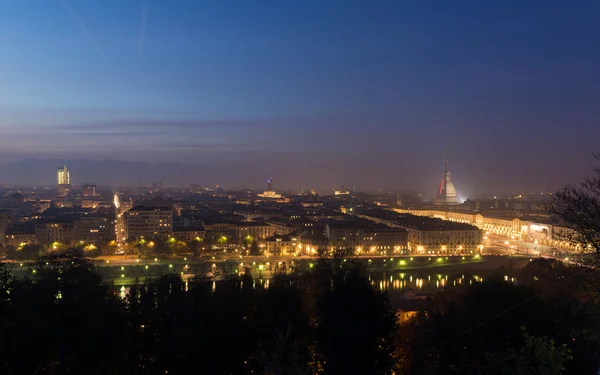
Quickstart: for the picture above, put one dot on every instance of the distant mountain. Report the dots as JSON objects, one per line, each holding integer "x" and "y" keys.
{"x": 291, "y": 171}
{"x": 105, "y": 172}
{"x": 124, "y": 173}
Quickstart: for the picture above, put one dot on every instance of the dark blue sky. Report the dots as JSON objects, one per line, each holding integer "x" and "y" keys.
{"x": 319, "y": 93}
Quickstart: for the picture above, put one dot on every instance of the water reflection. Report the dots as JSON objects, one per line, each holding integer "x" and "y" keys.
{"x": 425, "y": 283}
{"x": 389, "y": 282}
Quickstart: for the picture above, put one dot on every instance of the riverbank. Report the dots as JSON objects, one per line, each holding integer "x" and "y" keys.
{"x": 265, "y": 267}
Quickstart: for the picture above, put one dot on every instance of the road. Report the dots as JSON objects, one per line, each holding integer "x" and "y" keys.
{"x": 493, "y": 244}
{"x": 502, "y": 245}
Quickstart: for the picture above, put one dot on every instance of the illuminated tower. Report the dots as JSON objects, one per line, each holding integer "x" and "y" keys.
{"x": 63, "y": 178}
{"x": 446, "y": 194}
{"x": 270, "y": 184}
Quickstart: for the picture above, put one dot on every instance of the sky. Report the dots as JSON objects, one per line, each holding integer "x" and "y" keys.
{"x": 312, "y": 93}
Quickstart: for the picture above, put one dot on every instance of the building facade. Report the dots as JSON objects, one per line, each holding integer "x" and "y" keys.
{"x": 97, "y": 229}
{"x": 366, "y": 237}
{"x": 282, "y": 244}
{"x": 63, "y": 177}
{"x": 535, "y": 231}
{"x": 254, "y": 231}
{"x": 433, "y": 235}
{"x": 189, "y": 234}
{"x": 51, "y": 233}
{"x": 19, "y": 237}
{"x": 149, "y": 222}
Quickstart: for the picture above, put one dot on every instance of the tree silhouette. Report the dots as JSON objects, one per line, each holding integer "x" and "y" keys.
{"x": 195, "y": 245}
{"x": 25, "y": 252}
{"x": 539, "y": 355}
{"x": 284, "y": 358}
{"x": 578, "y": 208}
{"x": 459, "y": 333}
{"x": 63, "y": 319}
{"x": 254, "y": 250}
{"x": 355, "y": 324}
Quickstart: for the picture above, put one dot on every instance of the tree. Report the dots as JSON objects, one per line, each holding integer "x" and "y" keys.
{"x": 194, "y": 246}
{"x": 222, "y": 240}
{"x": 539, "y": 356}
{"x": 284, "y": 358}
{"x": 64, "y": 320}
{"x": 578, "y": 208}
{"x": 159, "y": 247}
{"x": 177, "y": 247}
{"x": 254, "y": 250}
{"x": 354, "y": 322}
{"x": 247, "y": 241}
{"x": 282, "y": 329}
{"x": 110, "y": 248}
{"x": 25, "y": 252}
{"x": 487, "y": 318}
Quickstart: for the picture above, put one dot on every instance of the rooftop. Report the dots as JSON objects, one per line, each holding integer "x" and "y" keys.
{"x": 151, "y": 208}
{"x": 417, "y": 222}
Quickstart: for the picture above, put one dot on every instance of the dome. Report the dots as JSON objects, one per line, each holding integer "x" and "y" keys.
{"x": 446, "y": 194}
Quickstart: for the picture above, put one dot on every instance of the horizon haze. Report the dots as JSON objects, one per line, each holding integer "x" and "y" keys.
{"x": 310, "y": 93}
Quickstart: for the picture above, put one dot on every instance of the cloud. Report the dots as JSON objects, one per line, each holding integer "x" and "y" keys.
{"x": 198, "y": 146}
{"x": 142, "y": 34}
{"x": 149, "y": 125}
{"x": 85, "y": 31}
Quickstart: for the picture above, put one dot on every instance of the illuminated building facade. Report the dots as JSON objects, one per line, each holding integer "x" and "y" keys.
{"x": 63, "y": 177}
{"x": 149, "y": 222}
{"x": 254, "y": 231}
{"x": 60, "y": 232}
{"x": 366, "y": 237}
{"x": 282, "y": 244}
{"x": 432, "y": 235}
{"x": 512, "y": 228}
{"x": 188, "y": 234}
{"x": 446, "y": 194}
{"x": 221, "y": 229}
{"x": 97, "y": 229}
{"x": 271, "y": 194}
{"x": 18, "y": 237}
{"x": 341, "y": 192}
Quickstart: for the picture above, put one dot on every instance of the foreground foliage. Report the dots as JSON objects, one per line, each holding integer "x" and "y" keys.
{"x": 64, "y": 319}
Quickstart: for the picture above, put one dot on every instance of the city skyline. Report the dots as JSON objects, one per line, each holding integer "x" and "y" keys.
{"x": 247, "y": 91}
{"x": 300, "y": 187}
{"x": 142, "y": 175}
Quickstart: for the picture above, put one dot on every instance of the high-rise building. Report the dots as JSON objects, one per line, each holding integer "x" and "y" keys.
{"x": 88, "y": 190}
{"x": 63, "y": 177}
{"x": 446, "y": 194}
{"x": 270, "y": 184}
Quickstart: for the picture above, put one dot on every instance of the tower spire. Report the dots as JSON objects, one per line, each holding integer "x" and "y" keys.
{"x": 446, "y": 171}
